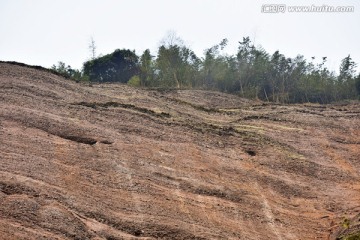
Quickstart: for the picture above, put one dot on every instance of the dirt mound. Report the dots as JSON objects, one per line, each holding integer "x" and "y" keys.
{"x": 82, "y": 161}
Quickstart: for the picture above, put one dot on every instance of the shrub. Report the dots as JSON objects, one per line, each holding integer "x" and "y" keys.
{"x": 134, "y": 81}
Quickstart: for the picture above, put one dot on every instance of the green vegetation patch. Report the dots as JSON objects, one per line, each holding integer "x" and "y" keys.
{"x": 354, "y": 236}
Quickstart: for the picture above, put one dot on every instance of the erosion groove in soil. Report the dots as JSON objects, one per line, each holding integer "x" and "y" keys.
{"x": 107, "y": 161}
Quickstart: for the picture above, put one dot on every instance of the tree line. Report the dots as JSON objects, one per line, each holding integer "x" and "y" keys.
{"x": 251, "y": 72}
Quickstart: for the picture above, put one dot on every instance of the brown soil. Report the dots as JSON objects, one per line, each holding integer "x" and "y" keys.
{"x": 112, "y": 162}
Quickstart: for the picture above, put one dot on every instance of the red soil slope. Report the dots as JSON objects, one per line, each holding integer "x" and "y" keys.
{"x": 113, "y": 162}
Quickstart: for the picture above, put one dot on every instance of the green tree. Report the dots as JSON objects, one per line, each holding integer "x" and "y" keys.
{"x": 61, "y": 68}
{"x": 251, "y": 72}
{"x": 177, "y": 66}
{"x": 67, "y": 71}
{"x": 168, "y": 63}
{"x": 258, "y": 74}
{"x": 146, "y": 69}
{"x": 299, "y": 70}
{"x": 347, "y": 69}
{"x": 346, "y": 80}
{"x": 216, "y": 72}
{"x": 118, "y": 66}
{"x": 357, "y": 84}
{"x": 245, "y": 59}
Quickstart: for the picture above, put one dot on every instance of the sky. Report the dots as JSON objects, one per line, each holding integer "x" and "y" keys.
{"x": 43, "y": 32}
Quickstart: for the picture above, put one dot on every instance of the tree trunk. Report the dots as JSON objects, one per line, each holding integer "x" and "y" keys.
{"x": 176, "y": 80}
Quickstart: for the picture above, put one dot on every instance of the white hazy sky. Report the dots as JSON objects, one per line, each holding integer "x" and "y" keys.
{"x": 43, "y": 32}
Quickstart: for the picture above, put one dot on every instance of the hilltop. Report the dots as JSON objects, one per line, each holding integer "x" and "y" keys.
{"x": 108, "y": 161}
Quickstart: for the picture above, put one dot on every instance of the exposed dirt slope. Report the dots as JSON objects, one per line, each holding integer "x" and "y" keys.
{"x": 113, "y": 162}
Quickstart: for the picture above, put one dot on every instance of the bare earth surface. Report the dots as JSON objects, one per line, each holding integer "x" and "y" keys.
{"x": 113, "y": 162}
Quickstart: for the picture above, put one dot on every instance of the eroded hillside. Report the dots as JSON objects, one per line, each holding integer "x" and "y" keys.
{"x": 113, "y": 162}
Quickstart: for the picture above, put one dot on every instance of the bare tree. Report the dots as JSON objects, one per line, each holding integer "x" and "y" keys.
{"x": 171, "y": 39}
{"x": 92, "y": 48}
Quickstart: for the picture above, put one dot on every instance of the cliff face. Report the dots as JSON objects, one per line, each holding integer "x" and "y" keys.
{"x": 113, "y": 162}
